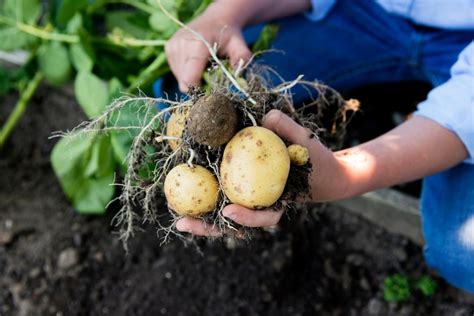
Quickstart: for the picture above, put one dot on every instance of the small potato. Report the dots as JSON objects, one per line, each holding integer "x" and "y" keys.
{"x": 191, "y": 191}
{"x": 255, "y": 168}
{"x": 299, "y": 155}
{"x": 175, "y": 128}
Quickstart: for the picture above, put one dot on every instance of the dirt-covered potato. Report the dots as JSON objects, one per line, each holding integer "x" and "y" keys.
{"x": 299, "y": 155}
{"x": 212, "y": 120}
{"x": 254, "y": 168}
{"x": 191, "y": 190}
{"x": 175, "y": 128}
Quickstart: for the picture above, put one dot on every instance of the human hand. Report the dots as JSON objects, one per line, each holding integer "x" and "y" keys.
{"x": 322, "y": 183}
{"x": 188, "y": 55}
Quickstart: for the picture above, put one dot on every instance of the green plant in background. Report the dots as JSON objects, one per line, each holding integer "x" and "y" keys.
{"x": 396, "y": 288}
{"x": 399, "y": 288}
{"x": 427, "y": 285}
{"x": 119, "y": 54}
{"x": 107, "y": 48}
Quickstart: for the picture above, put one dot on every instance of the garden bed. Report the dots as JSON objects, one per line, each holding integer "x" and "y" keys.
{"x": 53, "y": 261}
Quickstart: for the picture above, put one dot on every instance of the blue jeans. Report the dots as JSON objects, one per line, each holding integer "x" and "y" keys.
{"x": 359, "y": 43}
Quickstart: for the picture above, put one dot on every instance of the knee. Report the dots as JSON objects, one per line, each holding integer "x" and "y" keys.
{"x": 453, "y": 260}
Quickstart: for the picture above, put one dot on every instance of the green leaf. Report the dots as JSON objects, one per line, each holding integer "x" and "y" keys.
{"x": 163, "y": 24}
{"x": 266, "y": 38}
{"x": 134, "y": 114}
{"x": 131, "y": 23}
{"x": 53, "y": 60}
{"x": 91, "y": 93}
{"x": 396, "y": 288}
{"x": 67, "y": 9}
{"x": 427, "y": 285}
{"x": 115, "y": 88}
{"x": 85, "y": 171}
{"x": 101, "y": 160}
{"x": 94, "y": 195}
{"x": 13, "y": 39}
{"x": 80, "y": 59}
{"x": 27, "y": 11}
{"x": 189, "y": 9}
{"x": 74, "y": 24}
{"x": 11, "y": 79}
{"x": 169, "y": 5}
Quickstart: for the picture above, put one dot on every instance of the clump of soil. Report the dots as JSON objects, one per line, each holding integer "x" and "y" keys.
{"x": 212, "y": 120}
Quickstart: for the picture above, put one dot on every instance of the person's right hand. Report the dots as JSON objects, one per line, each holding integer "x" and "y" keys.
{"x": 188, "y": 55}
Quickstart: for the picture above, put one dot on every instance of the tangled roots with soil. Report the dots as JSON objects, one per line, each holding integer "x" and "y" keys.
{"x": 196, "y": 135}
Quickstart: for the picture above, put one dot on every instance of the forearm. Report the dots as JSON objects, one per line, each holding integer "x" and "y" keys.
{"x": 417, "y": 148}
{"x": 248, "y": 12}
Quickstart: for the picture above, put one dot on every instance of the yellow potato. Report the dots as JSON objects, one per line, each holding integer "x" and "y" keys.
{"x": 175, "y": 128}
{"x": 299, "y": 155}
{"x": 255, "y": 168}
{"x": 191, "y": 190}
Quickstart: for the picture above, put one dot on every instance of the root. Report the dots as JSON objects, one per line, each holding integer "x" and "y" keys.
{"x": 150, "y": 157}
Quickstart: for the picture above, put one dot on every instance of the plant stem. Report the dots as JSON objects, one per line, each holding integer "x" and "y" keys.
{"x": 134, "y": 42}
{"x": 20, "y": 107}
{"x": 153, "y": 71}
{"x": 51, "y": 36}
{"x": 38, "y": 32}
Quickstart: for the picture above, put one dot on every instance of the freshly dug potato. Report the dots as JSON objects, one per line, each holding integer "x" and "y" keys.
{"x": 212, "y": 120}
{"x": 175, "y": 128}
{"x": 299, "y": 155}
{"x": 191, "y": 190}
{"x": 255, "y": 168}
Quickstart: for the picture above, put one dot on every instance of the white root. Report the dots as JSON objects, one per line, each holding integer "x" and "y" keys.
{"x": 289, "y": 85}
{"x": 191, "y": 158}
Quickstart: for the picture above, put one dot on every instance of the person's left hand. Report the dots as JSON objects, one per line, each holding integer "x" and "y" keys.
{"x": 287, "y": 129}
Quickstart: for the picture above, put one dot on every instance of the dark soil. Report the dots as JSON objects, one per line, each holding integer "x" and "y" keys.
{"x": 55, "y": 262}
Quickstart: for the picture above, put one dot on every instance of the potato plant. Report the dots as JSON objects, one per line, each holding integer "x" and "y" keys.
{"x": 212, "y": 149}
{"x": 105, "y": 48}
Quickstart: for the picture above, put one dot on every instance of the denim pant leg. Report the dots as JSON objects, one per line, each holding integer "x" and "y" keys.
{"x": 448, "y": 224}
{"x": 357, "y": 43}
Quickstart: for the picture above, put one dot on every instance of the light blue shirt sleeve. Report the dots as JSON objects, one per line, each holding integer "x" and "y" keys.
{"x": 320, "y": 8}
{"x": 452, "y": 103}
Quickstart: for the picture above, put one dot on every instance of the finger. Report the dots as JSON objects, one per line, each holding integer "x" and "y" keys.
{"x": 197, "y": 227}
{"x": 172, "y": 56}
{"x": 236, "y": 49}
{"x": 188, "y": 59}
{"x": 286, "y": 128}
{"x": 191, "y": 71}
{"x": 251, "y": 218}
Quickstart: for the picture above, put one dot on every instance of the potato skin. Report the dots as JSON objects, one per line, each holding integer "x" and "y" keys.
{"x": 212, "y": 120}
{"x": 191, "y": 191}
{"x": 255, "y": 168}
{"x": 175, "y": 128}
{"x": 299, "y": 155}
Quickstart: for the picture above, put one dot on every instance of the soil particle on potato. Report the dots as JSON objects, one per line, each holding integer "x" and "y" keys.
{"x": 212, "y": 120}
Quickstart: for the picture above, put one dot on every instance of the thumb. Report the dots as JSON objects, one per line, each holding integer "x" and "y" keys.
{"x": 236, "y": 49}
{"x": 286, "y": 128}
